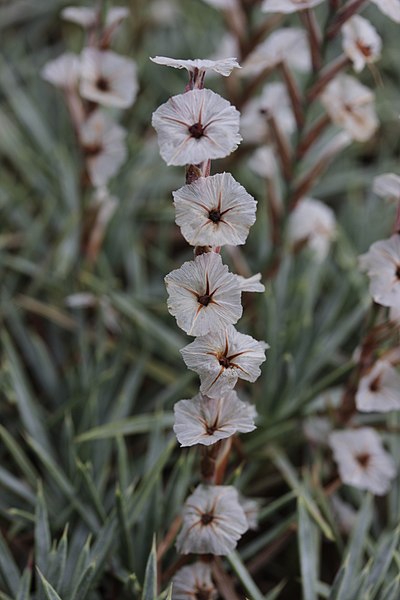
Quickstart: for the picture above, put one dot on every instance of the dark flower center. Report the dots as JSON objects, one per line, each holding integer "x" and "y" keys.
{"x": 204, "y": 300}
{"x": 92, "y": 150}
{"x": 398, "y": 271}
{"x": 364, "y": 49}
{"x": 224, "y": 362}
{"x": 103, "y": 84}
{"x": 196, "y": 130}
{"x": 202, "y": 594}
{"x": 214, "y": 215}
{"x": 206, "y": 518}
{"x": 363, "y": 459}
{"x": 375, "y": 383}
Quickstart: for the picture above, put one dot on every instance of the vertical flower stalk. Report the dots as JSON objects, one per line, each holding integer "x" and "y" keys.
{"x": 205, "y": 298}
{"x": 93, "y": 82}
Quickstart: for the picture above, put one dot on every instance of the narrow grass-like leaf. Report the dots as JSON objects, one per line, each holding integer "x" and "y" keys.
{"x": 50, "y": 592}
{"x": 84, "y": 583}
{"x": 244, "y": 576}
{"x": 275, "y": 592}
{"x": 307, "y": 552}
{"x": 8, "y": 568}
{"x": 19, "y": 456}
{"x": 42, "y": 530}
{"x": 92, "y": 490}
{"x": 58, "y": 560}
{"x": 126, "y": 535}
{"x": 24, "y": 588}
{"x": 129, "y": 426}
{"x": 150, "y": 578}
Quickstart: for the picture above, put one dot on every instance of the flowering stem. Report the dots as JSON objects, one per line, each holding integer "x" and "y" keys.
{"x": 344, "y": 15}
{"x": 312, "y": 135}
{"x": 326, "y": 76}
{"x": 294, "y": 94}
{"x": 282, "y": 148}
{"x": 314, "y": 36}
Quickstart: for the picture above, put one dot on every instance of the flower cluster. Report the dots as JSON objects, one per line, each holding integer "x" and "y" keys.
{"x": 96, "y": 80}
{"x": 205, "y": 298}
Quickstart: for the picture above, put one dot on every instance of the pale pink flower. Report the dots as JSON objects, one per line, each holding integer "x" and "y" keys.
{"x": 194, "y": 582}
{"x": 362, "y": 460}
{"x": 251, "y": 510}
{"x": 103, "y": 145}
{"x": 379, "y": 390}
{"x": 350, "y": 105}
{"x": 288, "y": 6}
{"x": 223, "y": 356}
{"x": 387, "y": 186}
{"x": 361, "y": 42}
{"x": 204, "y": 420}
{"x": 223, "y": 66}
{"x": 390, "y": 8}
{"x": 250, "y": 284}
{"x": 63, "y": 72}
{"x": 108, "y": 78}
{"x": 273, "y": 101}
{"x": 313, "y": 223}
{"x": 214, "y": 211}
{"x": 88, "y": 17}
{"x": 263, "y": 162}
{"x": 289, "y": 45}
{"x": 382, "y": 265}
{"x": 196, "y": 126}
{"x": 203, "y": 295}
{"x": 213, "y": 521}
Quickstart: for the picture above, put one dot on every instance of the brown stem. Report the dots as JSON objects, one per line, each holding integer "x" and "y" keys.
{"x": 282, "y": 147}
{"x": 208, "y": 462}
{"x": 274, "y": 213}
{"x": 294, "y": 94}
{"x": 170, "y": 572}
{"x": 328, "y": 73}
{"x": 314, "y": 37}
{"x": 169, "y": 538}
{"x": 312, "y": 135}
{"x": 252, "y": 86}
{"x": 222, "y": 462}
{"x": 348, "y": 10}
{"x": 223, "y": 581}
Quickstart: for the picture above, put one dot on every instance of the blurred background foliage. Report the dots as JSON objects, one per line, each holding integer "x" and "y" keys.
{"x": 89, "y": 468}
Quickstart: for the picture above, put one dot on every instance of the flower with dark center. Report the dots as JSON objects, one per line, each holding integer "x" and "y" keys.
{"x": 196, "y": 130}
{"x": 214, "y": 215}
{"x": 103, "y": 84}
{"x": 379, "y": 389}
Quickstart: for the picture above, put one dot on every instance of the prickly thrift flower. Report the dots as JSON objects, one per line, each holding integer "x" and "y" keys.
{"x": 194, "y": 583}
{"x": 63, "y": 72}
{"x": 361, "y": 42}
{"x": 108, "y": 78}
{"x": 379, "y": 390}
{"x": 205, "y": 420}
{"x": 250, "y": 284}
{"x": 382, "y": 265}
{"x": 204, "y": 295}
{"x": 213, "y": 521}
{"x": 196, "y": 126}
{"x": 222, "y": 357}
{"x": 214, "y": 211}
{"x": 350, "y": 105}
{"x": 103, "y": 145}
{"x": 198, "y": 67}
{"x": 289, "y": 45}
{"x": 312, "y": 223}
{"x": 362, "y": 461}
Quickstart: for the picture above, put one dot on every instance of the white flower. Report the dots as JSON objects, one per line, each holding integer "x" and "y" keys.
{"x": 361, "y": 42}
{"x": 314, "y": 223}
{"x": 213, "y": 521}
{"x": 288, "y": 6}
{"x": 350, "y": 105}
{"x": 387, "y": 186}
{"x": 88, "y": 17}
{"x": 274, "y": 101}
{"x": 289, "y": 44}
{"x": 263, "y": 162}
{"x": 63, "y": 72}
{"x": 250, "y": 284}
{"x": 222, "y": 67}
{"x": 382, "y": 264}
{"x": 361, "y": 459}
{"x": 223, "y": 356}
{"x": 390, "y": 8}
{"x": 194, "y": 582}
{"x": 214, "y": 211}
{"x": 103, "y": 144}
{"x": 203, "y": 295}
{"x": 205, "y": 420}
{"x": 379, "y": 390}
{"x": 251, "y": 510}
{"x": 196, "y": 126}
{"x": 108, "y": 78}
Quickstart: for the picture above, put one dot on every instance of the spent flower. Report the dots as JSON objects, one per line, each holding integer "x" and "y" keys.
{"x": 361, "y": 42}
